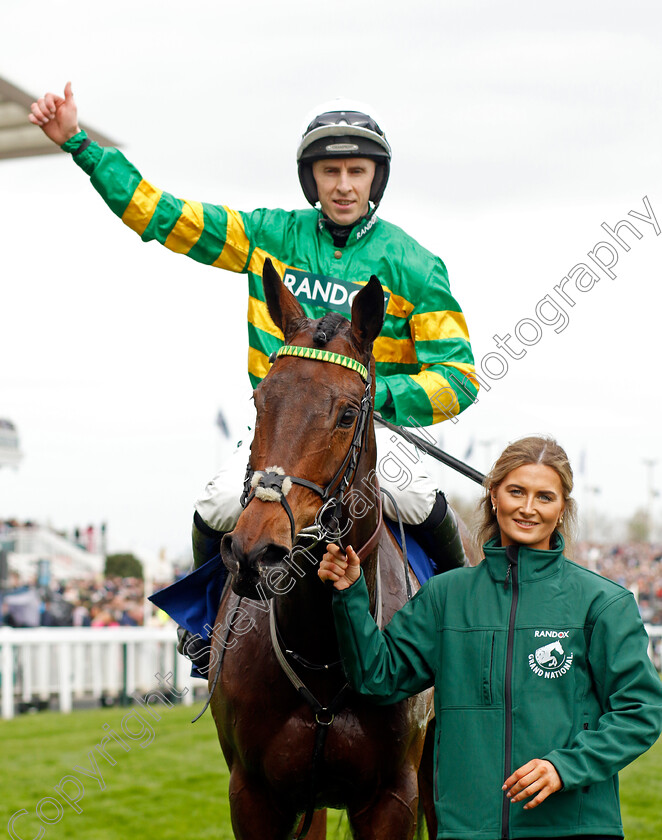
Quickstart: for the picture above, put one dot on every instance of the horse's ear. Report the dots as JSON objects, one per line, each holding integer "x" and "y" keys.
{"x": 368, "y": 315}
{"x": 284, "y": 308}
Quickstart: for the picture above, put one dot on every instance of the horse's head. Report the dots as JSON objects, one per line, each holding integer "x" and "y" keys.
{"x": 313, "y": 421}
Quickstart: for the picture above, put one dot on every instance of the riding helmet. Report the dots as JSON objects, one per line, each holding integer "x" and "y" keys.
{"x": 343, "y": 129}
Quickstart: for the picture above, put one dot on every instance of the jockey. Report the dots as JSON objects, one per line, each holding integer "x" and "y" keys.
{"x": 424, "y": 362}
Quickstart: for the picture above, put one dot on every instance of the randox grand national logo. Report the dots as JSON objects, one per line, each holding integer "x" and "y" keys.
{"x": 551, "y": 661}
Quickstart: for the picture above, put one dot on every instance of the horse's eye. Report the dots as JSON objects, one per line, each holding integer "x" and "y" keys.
{"x": 347, "y": 418}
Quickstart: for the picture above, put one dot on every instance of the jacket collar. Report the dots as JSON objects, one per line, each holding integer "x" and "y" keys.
{"x": 532, "y": 563}
{"x": 357, "y": 231}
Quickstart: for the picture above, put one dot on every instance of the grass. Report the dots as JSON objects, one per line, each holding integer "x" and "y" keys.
{"x": 641, "y": 796}
{"x": 175, "y": 785}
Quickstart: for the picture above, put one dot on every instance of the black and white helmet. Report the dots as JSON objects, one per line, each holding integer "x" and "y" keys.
{"x": 343, "y": 129}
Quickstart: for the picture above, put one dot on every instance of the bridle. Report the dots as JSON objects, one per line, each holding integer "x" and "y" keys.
{"x": 273, "y": 485}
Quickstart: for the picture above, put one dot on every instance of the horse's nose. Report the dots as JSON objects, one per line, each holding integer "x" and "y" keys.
{"x": 237, "y": 556}
{"x": 252, "y": 564}
{"x": 228, "y": 556}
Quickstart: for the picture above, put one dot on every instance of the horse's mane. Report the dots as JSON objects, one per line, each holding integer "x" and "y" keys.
{"x": 328, "y": 327}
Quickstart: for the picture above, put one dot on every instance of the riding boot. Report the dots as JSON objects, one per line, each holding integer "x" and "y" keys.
{"x": 206, "y": 544}
{"x": 439, "y": 535}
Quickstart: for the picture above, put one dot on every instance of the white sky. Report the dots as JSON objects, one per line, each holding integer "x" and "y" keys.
{"x": 517, "y": 129}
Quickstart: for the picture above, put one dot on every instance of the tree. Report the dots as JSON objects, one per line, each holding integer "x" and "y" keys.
{"x": 639, "y": 526}
{"x": 123, "y": 565}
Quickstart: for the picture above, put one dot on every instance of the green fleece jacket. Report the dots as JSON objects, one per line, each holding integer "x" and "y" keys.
{"x": 531, "y": 656}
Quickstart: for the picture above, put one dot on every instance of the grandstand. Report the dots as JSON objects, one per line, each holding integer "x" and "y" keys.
{"x": 32, "y": 548}
{"x": 10, "y": 453}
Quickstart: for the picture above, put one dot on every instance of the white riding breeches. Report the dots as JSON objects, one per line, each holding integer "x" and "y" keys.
{"x": 400, "y": 471}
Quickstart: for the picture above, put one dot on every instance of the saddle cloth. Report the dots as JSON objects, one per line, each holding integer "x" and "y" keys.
{"x": 421, "y": 564}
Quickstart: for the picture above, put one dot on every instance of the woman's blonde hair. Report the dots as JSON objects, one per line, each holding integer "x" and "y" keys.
{"x": 537, "y": 449}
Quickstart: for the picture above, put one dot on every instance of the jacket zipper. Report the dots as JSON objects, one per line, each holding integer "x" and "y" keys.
{"x": 511, "y": 553}
{"x": 491, "y": 667}
{"x": 586, "y": 787}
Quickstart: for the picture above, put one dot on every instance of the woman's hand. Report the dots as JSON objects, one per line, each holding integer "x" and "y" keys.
{"x": 343, "y": 569}
{"x": 537, "y": 778}
{"x": 57, "y": 117}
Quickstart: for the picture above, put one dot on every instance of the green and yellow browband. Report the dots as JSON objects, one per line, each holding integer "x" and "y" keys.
{"x": 321, "y": 356}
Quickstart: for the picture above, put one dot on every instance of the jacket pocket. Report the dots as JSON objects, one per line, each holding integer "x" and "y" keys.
{"x": 468, "y": 668}
{"x": 487, "y": 658}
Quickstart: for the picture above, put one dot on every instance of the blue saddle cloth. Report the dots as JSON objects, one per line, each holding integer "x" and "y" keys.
{"x": 192, "y": 601}
{"x": 418, "y": 558}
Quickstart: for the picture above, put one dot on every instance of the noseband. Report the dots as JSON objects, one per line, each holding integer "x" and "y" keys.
{"x": 273, "y": 485}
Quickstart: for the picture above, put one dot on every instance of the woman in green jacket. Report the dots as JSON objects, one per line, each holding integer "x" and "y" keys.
{"x": 543, "y": 685}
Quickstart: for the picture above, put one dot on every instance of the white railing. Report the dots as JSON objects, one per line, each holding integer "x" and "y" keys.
{"x": 655, "y": 644}
{"x": 86, "y": 663}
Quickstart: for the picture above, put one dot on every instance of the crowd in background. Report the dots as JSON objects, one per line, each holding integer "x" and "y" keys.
{"x": 637, "y": 566}
{"x": 32, "y": 596}
{"x": 116, "y": 602}
{"x": 111, "y": 602}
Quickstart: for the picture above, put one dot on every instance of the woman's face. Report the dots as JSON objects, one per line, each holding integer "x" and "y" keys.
{"x": 529, "y": 502}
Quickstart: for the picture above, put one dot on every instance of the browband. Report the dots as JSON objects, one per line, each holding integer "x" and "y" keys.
{"x": 321, "y": 356}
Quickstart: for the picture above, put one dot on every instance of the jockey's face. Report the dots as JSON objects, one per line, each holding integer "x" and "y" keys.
{"x": 343, "y": 187}
{"x": 529, "y": 502}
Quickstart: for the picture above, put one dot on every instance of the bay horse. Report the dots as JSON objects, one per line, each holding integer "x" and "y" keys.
{"x": 294, "y": 736}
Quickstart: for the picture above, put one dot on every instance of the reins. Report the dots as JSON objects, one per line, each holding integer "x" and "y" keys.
{"x": 433, "y": 451}
{"x": 224, "y": 647}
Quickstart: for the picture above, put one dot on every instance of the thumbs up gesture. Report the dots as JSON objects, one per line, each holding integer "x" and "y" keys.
{"x": 57, "y": 116}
